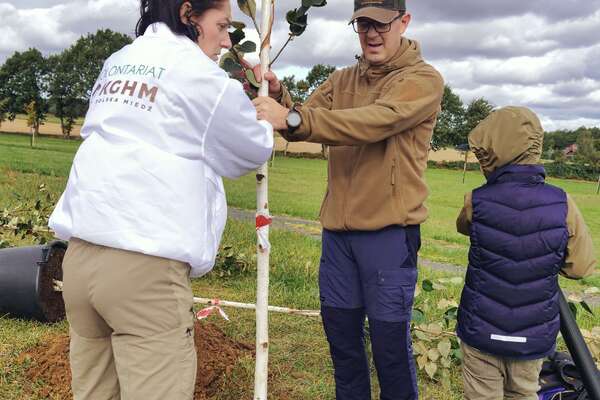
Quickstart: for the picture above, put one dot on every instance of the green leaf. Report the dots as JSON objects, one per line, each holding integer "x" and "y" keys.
{"x": 248, "y": 47}
{"x": 422, "y": 336}
{"x": 427, "y": 285}
{"x": 431, "y": 369}
{"x": 586, "y": 307}
{"x": 457, "y": 353}
{"x": 422, "y": 361}
{"x": 444, "y": 347}
{"x": 226, "y": 56}
{"x": 450, "y": 315}
{"x": 231, "y": 66}
{"x": 573, "y": 308}
{"x": 248, "y": 7}
{"x": 455, "y": 343}
{"x": 433, "y": 354}
{"x": 252, "y": 79}
{"x": 238, "y": 24}
{"x": 236, "y": 36}
{"x": 297, "y": 21}
{"x": 418, "y": 316}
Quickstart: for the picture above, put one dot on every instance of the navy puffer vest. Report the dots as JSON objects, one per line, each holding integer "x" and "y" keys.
{"x": 509, "y": 305}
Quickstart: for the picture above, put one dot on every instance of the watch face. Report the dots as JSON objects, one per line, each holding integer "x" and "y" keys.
{"x": 293, "y": 119}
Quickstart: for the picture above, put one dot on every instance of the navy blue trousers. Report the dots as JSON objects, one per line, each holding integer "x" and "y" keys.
{"x": 370, "y": 274}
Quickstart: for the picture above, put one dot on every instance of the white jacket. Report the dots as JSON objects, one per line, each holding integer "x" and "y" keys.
{"x": 165, "y": 123}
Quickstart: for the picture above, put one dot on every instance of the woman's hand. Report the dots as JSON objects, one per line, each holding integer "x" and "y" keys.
{"x": 274, "y": 84}
{"x": 271, "y": 111}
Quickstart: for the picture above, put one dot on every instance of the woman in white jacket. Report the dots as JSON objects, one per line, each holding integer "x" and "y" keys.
{"x": 144, "y": 207}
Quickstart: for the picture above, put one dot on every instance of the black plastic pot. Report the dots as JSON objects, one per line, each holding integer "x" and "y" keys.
{"x": 27, "y": 277}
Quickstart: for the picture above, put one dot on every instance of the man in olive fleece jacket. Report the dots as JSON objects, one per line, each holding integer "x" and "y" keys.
{"x": 378, "y": 117}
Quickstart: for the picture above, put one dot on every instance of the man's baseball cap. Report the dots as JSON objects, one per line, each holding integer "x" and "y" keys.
{"x": 383, "y": 11}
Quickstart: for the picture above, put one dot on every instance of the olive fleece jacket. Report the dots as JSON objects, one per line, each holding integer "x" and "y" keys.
{"x": 378, "y": 120}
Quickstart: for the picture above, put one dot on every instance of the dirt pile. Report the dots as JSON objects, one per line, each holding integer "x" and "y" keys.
{"x": 217, "y": 355}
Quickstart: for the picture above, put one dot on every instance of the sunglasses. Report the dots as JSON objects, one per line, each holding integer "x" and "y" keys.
{"x": 362, "y": 25}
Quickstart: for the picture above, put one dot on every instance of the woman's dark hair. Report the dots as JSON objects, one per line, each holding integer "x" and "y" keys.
{"x": 167, "y": 11}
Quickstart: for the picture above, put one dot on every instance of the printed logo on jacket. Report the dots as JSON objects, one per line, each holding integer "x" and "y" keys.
{"x": 125, "y": 85}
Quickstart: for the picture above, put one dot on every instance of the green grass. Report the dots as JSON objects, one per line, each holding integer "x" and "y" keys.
{"x": 297, "y": 186}
{"x": 51, "y": 156}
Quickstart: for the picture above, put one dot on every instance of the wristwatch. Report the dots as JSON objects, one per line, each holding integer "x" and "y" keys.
{"x": 294, "y": 119}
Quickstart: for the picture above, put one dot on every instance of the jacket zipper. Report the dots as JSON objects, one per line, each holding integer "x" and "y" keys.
{"x": 345, "y": 217}
{"x": 393, "y": 178}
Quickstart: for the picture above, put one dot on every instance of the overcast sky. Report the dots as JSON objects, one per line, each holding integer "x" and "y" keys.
{"x": 544, "y": 54}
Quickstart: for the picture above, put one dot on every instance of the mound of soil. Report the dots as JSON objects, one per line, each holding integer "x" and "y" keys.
{"x": 217, "y": 355}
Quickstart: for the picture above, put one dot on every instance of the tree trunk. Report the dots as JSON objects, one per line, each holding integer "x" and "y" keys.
{"x": 32, "y": 136}
{"x": 62, "y": 126}
{"x": 263, "y": 249}
{"x": 465, "y": 166}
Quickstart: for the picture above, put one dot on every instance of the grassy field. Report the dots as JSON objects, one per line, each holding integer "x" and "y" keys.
{"x": 299, "y": 360}
{"x": 296, "y": 188}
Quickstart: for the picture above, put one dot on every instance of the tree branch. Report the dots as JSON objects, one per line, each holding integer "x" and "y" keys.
{"x": 290, "y": 38}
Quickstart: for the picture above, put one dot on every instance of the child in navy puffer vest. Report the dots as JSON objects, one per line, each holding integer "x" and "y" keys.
{"x": 523, "y": 232}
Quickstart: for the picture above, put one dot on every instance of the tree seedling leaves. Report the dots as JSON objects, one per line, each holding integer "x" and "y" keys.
{"x": 298, "y": 22}
{"x": 248, "y": 7}
{"x": 236, "y": 36}
{"x": 313, "y": 3}
{"x": 238, "y": 24}
{"x": 248, "y": 47}
{"x": 252, "y": 79}
{"x": 231, "y": 66}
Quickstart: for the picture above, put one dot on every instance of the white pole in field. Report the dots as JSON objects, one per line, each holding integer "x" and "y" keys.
{"x": 262, "y": 207}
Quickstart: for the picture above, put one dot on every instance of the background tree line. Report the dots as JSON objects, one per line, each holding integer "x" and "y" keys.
{"x": 59, "y": 84}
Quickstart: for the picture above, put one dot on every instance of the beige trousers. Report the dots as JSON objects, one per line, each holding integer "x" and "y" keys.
{"x": 131, "y": 325}
{"x": 489, "y": 377}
